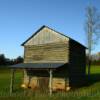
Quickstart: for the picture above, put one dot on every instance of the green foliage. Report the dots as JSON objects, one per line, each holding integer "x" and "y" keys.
{"x": 92, "y": 91}
{"x": 6, "y": 61}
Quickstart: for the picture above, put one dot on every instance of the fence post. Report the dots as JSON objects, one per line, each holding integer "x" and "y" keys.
{"x": 12, "y": 81}
{"x": 50, "y": 82}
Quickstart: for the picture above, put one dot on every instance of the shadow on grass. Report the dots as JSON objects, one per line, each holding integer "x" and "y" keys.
{"x": 93, "y": 79}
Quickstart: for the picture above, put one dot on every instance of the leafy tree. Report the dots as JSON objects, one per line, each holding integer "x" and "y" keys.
{"x": 92, "y": 28}
{"x": 18, "y": 60}
{"x": 2, "y": 59}
{"x": 7, "y": 61}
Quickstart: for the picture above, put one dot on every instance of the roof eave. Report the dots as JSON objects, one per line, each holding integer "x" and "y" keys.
{"x": 33, "y": 35}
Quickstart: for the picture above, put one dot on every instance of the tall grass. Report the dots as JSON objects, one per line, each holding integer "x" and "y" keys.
{"x": 92, "y": 91}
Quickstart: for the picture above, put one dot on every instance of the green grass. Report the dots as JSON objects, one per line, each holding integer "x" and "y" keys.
{"x": 95, "y": 69}
{"x": 92, "y": 91}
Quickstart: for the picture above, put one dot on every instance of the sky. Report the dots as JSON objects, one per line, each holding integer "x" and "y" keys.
{"x": 19, "y": 19}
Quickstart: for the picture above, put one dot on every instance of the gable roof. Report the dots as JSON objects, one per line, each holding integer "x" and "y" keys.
{"x": 44, "y": 26}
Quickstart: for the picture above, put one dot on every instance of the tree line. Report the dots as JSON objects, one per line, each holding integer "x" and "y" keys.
{"x": 7, "y": 61}
{"x": 95, "y": 59}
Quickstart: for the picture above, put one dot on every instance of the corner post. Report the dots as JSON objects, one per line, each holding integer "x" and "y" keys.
{"x": 50, "y": 81}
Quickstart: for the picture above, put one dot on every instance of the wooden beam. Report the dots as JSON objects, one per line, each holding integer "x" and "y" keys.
{"x": 12, "y": 81}
{"x": 65, "y": 84}
{"x": 50, "y": 81}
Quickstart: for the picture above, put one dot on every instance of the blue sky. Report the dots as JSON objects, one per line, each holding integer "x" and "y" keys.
{"x": 19, "y": 19}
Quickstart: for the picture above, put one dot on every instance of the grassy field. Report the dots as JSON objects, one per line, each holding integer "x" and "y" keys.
{"x": 92, "y": 91}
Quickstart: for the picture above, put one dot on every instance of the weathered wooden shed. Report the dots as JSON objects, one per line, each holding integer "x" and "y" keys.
{"x": 52, "y": 61}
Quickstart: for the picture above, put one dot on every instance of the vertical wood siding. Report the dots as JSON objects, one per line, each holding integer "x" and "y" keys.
{"x": 46, "y": 36}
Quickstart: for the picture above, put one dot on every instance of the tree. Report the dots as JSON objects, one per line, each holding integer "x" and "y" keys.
{"x": 2, "y": 59}
{"x": 18, "y": 60}
{"x": 92, "y": 28}
{"x": 7, "y": 61}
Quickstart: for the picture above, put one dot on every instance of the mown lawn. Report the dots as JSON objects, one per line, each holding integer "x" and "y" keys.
{"x": 90, "y": 92}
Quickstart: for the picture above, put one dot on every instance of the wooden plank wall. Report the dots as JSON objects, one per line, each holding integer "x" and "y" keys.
{"x": 52, "y": 52}
{"x": 39, "y": 79}
{"x": 77, "y": 64}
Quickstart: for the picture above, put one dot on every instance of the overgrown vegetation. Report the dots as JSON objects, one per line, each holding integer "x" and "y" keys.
{"x": 91, "y": 91}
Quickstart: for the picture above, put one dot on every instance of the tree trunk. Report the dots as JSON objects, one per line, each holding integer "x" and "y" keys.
{"x": 89, "y": 64}
{"x": 89, "y": 68}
